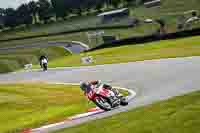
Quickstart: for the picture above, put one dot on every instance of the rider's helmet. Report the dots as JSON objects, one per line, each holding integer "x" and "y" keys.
{"x": 84, "y": 86}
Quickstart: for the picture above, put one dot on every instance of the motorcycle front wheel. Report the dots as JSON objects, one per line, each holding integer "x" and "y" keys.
{"x": 103, "y": 103}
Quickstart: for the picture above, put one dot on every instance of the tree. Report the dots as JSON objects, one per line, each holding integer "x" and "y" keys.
{"x": 99, "y": 4}
{"x": 10, "y": 18}
{"x": 99, "y": 7}
{"x": 2, "y": 14}
{"x": 59, "y": 8}
{"x": 75, "y": 6}
{"x": 115, "y": 3}
{"x": 62, "y": 7}
{"x": 127, "y": 2}
{"x": 24, "y": 14}
{"x": 45, "y": 10}
{"x": 34, "y": 7}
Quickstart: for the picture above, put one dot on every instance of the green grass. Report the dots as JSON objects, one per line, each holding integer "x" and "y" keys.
{"x": 177, "y": 115}
{"x": 164, "y": 49}
{"x": 130, "y": 53}
{"x": 77, "y": 23}
{"x": 61, "y": 26}
{"x": 32, "y": 105}
{"x": 169, "y": 10}
{"x": 16, "y": 60}
{"x": 43, "y": 40}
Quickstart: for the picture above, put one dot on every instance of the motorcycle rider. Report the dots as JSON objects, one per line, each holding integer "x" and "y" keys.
{"x": 43, "y": 60}
{"x": 87, "y": 86}
{"x": 96, "y": 86}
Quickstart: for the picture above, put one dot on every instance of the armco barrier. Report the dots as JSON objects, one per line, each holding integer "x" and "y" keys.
{"x": 149, "y": 38}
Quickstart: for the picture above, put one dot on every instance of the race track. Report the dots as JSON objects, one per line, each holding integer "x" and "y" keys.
{"x": 153, "y": 80}
{"x": 73, "y": 47}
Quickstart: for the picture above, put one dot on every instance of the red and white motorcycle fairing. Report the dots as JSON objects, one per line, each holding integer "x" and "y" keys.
{"x": 104, "y": 98}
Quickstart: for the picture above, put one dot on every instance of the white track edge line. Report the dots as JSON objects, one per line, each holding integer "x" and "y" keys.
{"x": 130, "y": 97}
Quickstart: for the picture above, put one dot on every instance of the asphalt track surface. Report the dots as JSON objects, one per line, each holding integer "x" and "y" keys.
{"x": 73, "y": 47}
{"x": 152, "y": 80}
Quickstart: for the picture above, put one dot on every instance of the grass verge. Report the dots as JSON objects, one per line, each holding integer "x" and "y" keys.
{"x": 129, "y": 53}
{"x": 169, "y": 10}
{"x": 177, "y": 115}
{"x": 16, "y": 60}
{"x": 32, "y": 105}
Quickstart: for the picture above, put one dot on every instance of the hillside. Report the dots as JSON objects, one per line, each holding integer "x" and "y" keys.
{"x": 16, "y": 60}
{"x": 169, "y": 11}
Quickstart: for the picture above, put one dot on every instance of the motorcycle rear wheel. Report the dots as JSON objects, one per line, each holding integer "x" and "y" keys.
{"x": 123, "y": 101}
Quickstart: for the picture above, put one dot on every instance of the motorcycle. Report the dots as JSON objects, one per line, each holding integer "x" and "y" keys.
{"x": 106, "y": 98}
{"x": 44, "y": 64}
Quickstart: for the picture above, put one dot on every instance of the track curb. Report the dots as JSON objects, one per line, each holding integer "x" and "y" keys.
{"x": 91, "y": 112}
